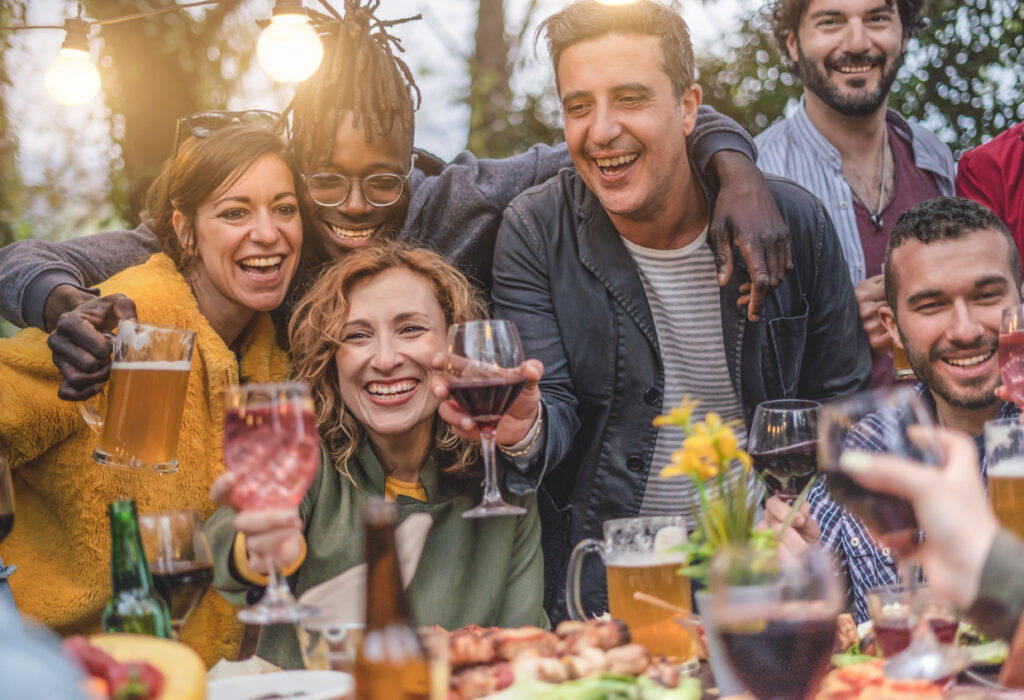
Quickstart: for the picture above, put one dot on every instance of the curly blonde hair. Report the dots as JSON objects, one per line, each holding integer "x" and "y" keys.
{"x": 315, "y": 332}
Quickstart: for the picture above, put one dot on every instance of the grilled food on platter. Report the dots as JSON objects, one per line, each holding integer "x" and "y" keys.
{"x": 866, "y": 681}
{"x": 487, "y": 660}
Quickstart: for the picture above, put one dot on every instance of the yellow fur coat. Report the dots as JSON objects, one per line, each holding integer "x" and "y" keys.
{"x": 61, "y": 537}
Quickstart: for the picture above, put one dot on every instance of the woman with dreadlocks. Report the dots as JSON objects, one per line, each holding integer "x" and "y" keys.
{"x": 352, "y": 129}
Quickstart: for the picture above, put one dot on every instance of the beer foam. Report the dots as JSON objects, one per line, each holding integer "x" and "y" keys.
{"x": 642, "y": 559}
{"x": 1011, "y": 468}
{"x": 163, "y": 366}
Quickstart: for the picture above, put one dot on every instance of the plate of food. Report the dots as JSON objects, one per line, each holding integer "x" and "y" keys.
{"x": 857, "y": 643}
{"x": 595, "y": 657}
{"x": 293, "y": 685}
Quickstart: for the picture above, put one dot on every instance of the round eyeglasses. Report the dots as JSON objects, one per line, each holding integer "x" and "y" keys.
{"x": 380, "y": 190}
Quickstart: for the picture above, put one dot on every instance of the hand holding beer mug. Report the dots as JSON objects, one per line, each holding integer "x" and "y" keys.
{"x": 642, "y": 557}
{"x": 145, "y": 398}
{"x": 1004, "y": 459}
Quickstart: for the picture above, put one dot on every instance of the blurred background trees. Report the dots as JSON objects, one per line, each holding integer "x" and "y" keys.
{"x": 964, "y": 78}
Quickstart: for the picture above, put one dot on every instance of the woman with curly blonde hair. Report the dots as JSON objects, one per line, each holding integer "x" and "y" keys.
{"x": 365, "y": 337}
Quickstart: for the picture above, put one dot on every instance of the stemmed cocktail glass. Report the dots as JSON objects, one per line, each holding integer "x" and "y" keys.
{"x": 272, "y": 447}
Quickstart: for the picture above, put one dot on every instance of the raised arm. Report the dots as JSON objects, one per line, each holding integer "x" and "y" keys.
{"x": 522, "y": 294}
{"x": 32, "y": 272}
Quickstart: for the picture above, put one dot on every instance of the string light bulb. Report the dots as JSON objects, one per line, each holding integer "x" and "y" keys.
{"x": 289, "y": 49}
{"x": 72, "y": 79}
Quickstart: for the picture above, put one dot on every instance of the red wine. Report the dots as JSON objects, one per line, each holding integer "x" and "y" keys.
{"x": 883, "y": 514}
{"x": 6, "y": 523}
{"x": 780, "y": 659}
{"x": 486, "y": 401}
{"x": 1011, "y": 364}
{"x": 894, "y": 636}
{"x": 181, "y": 584}
{"x": 788, "y": 470}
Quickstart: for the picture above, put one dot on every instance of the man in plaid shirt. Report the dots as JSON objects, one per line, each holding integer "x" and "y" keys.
{"x": 951, "y": 267}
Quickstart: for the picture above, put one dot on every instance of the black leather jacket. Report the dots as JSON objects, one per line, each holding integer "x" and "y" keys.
{"x": 562, "y": 274}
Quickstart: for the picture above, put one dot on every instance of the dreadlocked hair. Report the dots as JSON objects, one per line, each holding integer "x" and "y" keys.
{"x": 360, "y": 74}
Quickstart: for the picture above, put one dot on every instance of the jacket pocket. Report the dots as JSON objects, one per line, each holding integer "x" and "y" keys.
{"x": 788, "y": 336}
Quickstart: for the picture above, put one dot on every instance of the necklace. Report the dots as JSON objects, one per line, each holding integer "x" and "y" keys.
{"x": 875, "y": 216}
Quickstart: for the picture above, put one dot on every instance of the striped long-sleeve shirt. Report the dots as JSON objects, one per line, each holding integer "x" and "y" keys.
{"x": 794, "y": 148}
{"x": 863, "y": 562}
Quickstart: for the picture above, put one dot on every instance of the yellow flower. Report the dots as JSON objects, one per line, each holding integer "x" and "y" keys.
{"x": 679, "y": 415}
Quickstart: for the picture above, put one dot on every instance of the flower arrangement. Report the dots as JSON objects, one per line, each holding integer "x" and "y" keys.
{"x": 725, "y": 517}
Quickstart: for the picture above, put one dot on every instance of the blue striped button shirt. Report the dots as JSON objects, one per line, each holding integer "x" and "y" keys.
{"x": 794, "y": 148}
{"x": 863, "y": 563}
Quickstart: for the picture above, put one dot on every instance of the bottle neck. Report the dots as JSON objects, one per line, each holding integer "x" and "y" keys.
{"x": 128, "y": 567}
{"x": 386, "y": 602}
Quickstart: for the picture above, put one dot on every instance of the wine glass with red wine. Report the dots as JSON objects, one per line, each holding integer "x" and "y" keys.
{"x": 6, "y": 501}
{"x": 783, "y": 445}
{"x": 272, "y": 447}
{"x": 484, "y": 375}
{"x": 776, "y": 618}
{"x": 1011, "y": 352}
{"x": 180, "y": 560}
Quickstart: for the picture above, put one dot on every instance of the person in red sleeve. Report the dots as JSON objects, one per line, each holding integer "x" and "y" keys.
{"x": 993, "y": 174}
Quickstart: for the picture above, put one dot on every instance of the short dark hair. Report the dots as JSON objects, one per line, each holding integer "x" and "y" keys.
{"x": 943, "y": 219}
{"x": 360, "y": 74}
{"x": 588, "y": 19}
{"x": 201, "y": 168}
{"x": 784, "y": 17}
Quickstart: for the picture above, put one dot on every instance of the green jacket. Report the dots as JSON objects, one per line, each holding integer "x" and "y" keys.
{"x": 487, "y": 571}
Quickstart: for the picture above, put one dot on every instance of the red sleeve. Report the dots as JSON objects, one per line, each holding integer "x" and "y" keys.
{"x": 978, "y": 178}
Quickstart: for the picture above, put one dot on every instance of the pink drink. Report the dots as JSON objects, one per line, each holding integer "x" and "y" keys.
{"x": 1011, "y": 364}
{"x": 274, "y": 451}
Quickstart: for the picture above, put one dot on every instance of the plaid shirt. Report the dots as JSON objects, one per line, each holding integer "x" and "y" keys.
{"x": 864, "y": 564}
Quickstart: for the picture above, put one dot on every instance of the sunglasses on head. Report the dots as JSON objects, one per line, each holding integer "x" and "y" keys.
{"x": 202, "y": 124}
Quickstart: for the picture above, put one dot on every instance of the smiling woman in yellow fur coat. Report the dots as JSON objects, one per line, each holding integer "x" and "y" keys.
{"x": 232, "y": 239}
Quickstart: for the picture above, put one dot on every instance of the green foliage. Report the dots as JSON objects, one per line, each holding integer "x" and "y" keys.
{"x": 964, "y": 74}
{"x": 10, "y": 191}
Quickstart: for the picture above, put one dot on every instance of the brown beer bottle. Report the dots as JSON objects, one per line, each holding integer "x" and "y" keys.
{"x": 391, "y": 663}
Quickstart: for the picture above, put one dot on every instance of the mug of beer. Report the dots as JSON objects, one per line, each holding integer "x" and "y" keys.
{"x": 1004, "y": 460}
{"x": 145, "y": 398}
{"x": 641, "y": 558}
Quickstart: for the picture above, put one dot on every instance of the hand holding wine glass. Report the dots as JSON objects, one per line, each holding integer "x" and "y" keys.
{"x": 484, "y": 374}
{"x": 272, "y": 447}
{"x": 180, "y": 560}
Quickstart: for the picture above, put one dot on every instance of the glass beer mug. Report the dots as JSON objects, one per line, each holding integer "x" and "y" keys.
{"x": 642, "y": 558}
{"x": 145, "y": 398}
{"x": 1004, "y": 457}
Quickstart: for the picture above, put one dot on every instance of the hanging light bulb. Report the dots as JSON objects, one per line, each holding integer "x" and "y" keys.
{"x": 289, "y": 49}
{"x": 72, "y": 78}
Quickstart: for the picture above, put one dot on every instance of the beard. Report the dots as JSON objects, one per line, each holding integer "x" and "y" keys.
{"x": 856, "y": 105}
{"x": 977, "y": 394}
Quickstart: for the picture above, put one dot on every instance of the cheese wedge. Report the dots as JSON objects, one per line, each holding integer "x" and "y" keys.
{"x": 184, "y": 672}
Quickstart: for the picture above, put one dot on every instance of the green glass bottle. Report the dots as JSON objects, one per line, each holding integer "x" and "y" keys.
{"x": 134, "y": 605}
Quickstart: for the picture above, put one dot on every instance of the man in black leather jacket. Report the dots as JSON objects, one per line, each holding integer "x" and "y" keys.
{"x": 570, "y": 270}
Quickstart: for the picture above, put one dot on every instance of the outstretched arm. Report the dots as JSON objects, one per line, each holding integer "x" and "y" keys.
{"x": 40, "y": 280}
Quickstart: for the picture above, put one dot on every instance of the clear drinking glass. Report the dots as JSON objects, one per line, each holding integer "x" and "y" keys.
{"x": 6, "y": 501}
{"x": 484, "y": 374}
{"x": 145, "y": 398}
{"x": 1011, "y": 352}
{"x": 893, "y": 616}
{"x": 783, "y": 445}
{"x": 776, "y": 618}
{"x": 642, "y": 558}
{"x": 272, "y": 447}
{"x": 180, "y": 560}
